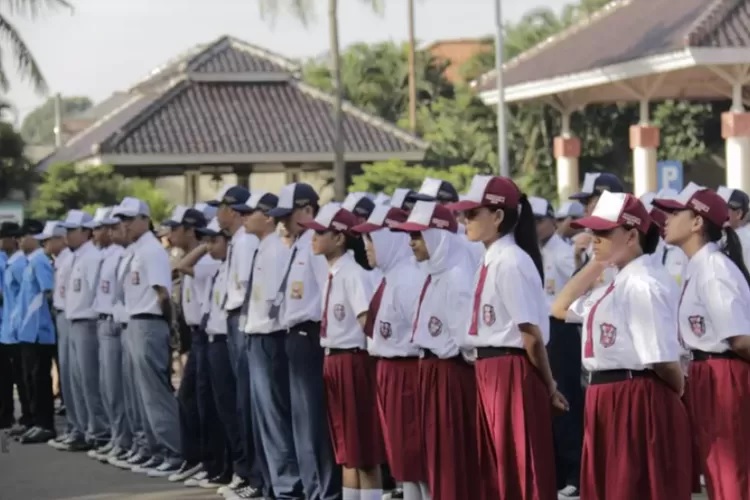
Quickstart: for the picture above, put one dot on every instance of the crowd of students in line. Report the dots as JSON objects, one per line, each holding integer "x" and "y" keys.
{"x": 426, "y": 338}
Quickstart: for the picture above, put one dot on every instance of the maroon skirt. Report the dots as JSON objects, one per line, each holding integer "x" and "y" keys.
{"x": 720, "y": 391}
{"x": 634, "y": 442}
{"x": 448, "y": 403}
{"x": 695, "y": 456}
{"x": 398, "y": 403}
{"x": 518, "y": 413}
{"x": 351, "y": 398}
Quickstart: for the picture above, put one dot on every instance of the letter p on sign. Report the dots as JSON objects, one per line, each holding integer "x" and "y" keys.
{"x": 669, "y": 175}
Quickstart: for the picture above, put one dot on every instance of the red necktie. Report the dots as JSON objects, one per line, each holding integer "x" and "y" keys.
{"x": 474, "y": 328}
{"x": 419, "y": 305}
{"x": 324, "y": 319}
{"x": 372, "y": 312}
{"x": 588, "y": 347}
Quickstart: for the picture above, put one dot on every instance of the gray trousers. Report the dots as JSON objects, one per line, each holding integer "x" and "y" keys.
{"x": 152, "y": 360}
{"x": 131, "y": 399}
{"x": 110, "y": 381}
{"x": 85, "y": 375}
{"x": 75, "y": 417}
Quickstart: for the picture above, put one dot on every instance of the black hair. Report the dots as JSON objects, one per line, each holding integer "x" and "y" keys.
{"x": 523, "y": 224}
{"x": 356, "y": 244}
{"x": 732, "y": 246}
{"x": 650, "y": 240}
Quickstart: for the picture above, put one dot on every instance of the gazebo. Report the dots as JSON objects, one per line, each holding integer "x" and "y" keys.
{"x": 229, "y": 111}
{"x": 641, "y": 51}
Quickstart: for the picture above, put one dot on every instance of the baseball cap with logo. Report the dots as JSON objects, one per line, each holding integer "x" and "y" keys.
{"x": 101, "y": 218}
{"x": 262, "y": 201}
{"x": 360, "y": 204}
{"x": 9, "y": 229}
{"x": 52, "y": 229}
{"x": 429, "y": 215}
{"x": 207, "y": 210}
{"x": 541, "y": 208}
{"x": 736, "y": 199}
{"x": 489, "y": 191}
{"x": 382, "y": 217}
{"x": 131, "y": 207}
{"x": 437, "y": 190}
{"x": 231, "y": 195}
{"x": 703, "y": 201}
{"x": 294, "y": 196}
{"x": 571, "y": 208}
{"x": 76, "y": 219}
{"x": 184, "y": 216}
{"x": 403, "y": 198}
{"x": 616, "y": 210}
{"x": 332, "y": 217}
{"x": 657, "y": 215}
{"x": 594, "y": 183}
{"x": 212, "y": 229}
{"x": 381, "y": 199}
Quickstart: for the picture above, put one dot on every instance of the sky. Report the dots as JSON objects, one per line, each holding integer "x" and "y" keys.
{"x": 109, "y": 45}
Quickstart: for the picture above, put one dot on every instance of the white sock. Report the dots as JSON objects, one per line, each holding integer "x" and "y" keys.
{"x": 425, "y": 491}
{"x": 350, "y": 494}
{"x": 412, "y": 491}
{"x": 371, "y": 494}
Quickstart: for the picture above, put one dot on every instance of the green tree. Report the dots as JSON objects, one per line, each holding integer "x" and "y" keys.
{"x": 67, "y": 186}
{"x": 25, "y": 62}
{"x": 39, "y": 126}
{"x": 16, "y": 172}
{"x": 386, "y": 176}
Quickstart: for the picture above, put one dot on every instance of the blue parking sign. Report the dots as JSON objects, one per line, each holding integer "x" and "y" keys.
{"x": 669, "y": 175}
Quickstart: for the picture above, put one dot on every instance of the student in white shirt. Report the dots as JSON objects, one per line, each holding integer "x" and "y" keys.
{"x": 251, "y": 469}
{"x": 631, "y": 349}
{"x": 297, "y": 305}
{"x": 80, "y": 291}
{"x": 348, "y": 369}
{"x": 447, "y": 392}
{"x": 714, "y": 320}
{"x": 738, "y": 204}
{"x": 266, "y": 353}
{"x": 148, "y": 303}
{"x": 567, "y": 213}
{"x": 564, "y": 353}
{"x": 361, "y": 206}
{"x": 509, "y": 327}
{"x": 389, "y": 325}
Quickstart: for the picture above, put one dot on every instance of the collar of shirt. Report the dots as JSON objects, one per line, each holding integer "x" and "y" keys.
{"x": 267, "y": 241}
{"x": 85, "y": 248}
{"x": 340, "y": 263}
{"x": 700, "y": 258}
{"x": 239, "y": 234}
{"x": 145, "y": 239}
{"x": 35, "y": 253}
{"x": 16, "y": 255}
{"x": 303, "y": 239}
{"x": 497, "y": 247}
{"x": 633, "y": 267}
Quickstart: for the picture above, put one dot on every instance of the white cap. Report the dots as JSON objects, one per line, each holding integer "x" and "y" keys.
{"x": 570, "y": 209}
{"x": 382, "y": 199}
{"x": 76, "y": 219}
{"x": 52, "y": 229}
{"x": 352, "y": 199}
{"x": 725, "y": 193}
{"x": 131, "y": 207}
{"x": 540, "y": 207}
{"x": 102, "y": 217}
{"x": 207, "y": 210}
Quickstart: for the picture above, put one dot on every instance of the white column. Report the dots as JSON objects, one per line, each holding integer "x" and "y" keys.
{"x": 567, "y": 150}
{"x": 735, "y": 128}
{"x": 644, "y": 139}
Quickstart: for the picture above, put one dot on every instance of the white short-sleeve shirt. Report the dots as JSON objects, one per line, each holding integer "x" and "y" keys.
{"x": 673, "y": 259}
{"x": 307, "y": 278}
{"x": 559, "y": 266}
{"x": 149, "y": 267}
{"x": 632, "y": 322}
{"x": 348, "y": 291}
{"x": 82, "y": 283}
{"x": 242, "y": 246}
{"x": 270, "y": 266}
{"x": 194, "y": 289}
{"x": 63, "y": 263}
{"x": 104, "y": 303}
{"x": 213, "y": 297}
{"x": 512, "y": 295}
{"x": 715, "y": 302}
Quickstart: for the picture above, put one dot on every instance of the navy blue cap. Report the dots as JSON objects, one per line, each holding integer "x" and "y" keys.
{"x": 360, "y": 204}
{"x": 184, "y": 216}
{"x": 31, "y": 226}
{"x": 231, "y": 195}
{"x": 10, "y": 230}
{"x": 262, "y": 201}
{"x": 293, "y": 196}
{"x": 437, "y": 190}
{"x": 594, "y": 183}
{"x": 736, "y": 198}
{"x": 403, "y": 199}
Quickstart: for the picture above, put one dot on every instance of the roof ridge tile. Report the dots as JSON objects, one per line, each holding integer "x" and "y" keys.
{"x": 700, "y": 31}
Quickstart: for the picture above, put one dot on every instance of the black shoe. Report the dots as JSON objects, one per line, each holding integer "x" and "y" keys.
{"x": 60, "y": 412}
{"x": 39, "y": 436}
{"x": 30, "y": 432}
{"x": 397, "y": 493}
{"x": 18, "y": 430}
{"x": 77, "y": 445}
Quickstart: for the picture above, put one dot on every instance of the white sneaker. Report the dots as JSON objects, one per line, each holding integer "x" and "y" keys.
{"x": 569, "y": 493}
{"x": 185, "y": 472}
{"x": 229, "y": 488}
{"x": 165, "y": 469}
{"x": 196, "y": 479}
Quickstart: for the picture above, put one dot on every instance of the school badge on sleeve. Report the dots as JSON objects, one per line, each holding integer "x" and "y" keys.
{"x": 339, "y": 312}
{"x": 488, "y": 315}
{"x": 607, "y": 335}
{"x": 385, "y": 330}
{"x": 435, "y": 326}
{"x": 697, "y": 325}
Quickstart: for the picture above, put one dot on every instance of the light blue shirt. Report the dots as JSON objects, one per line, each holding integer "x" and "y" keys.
{"x": 12, "y": 276}
{"x": 32, "y": 312}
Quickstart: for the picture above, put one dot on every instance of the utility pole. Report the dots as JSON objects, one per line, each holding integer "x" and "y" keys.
{"x": 502, "y": 135}
{"x": 412, "y": 70}
{"x": 58, "y": 120}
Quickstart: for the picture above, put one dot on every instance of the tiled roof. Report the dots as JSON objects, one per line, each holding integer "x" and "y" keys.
{"x": 229, "y": 55}
{"x": 625, "y": 30}
{"x": 262, "y": 118}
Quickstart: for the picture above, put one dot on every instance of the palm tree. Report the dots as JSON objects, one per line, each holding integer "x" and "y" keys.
{"x": 25, "y": 62}
{"x": 304, "y": 10}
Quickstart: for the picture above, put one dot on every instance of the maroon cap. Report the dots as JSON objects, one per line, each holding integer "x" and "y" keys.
{"x": 382, "y": 217}
{"x": 704, "y": 201}
{"x": 489, "y": 191}
{"x": 616, "y": 210}
{"x": 332, "y": 217}
{"x": 429, "y": 215}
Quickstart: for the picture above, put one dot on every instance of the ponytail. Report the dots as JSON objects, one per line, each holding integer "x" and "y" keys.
{"x": 650, "y": 241}
{"x": 523, "y": 225}
{"x": 732, "y": 247}
{"x": 357, "y": 245}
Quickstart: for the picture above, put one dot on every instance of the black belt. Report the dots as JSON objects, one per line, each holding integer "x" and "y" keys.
{"x": 147, "y": 316}
{"x": 306, "y": 326}
{"x": 496, "y": 352}
{"x": 334, "y": 351}
{"x": 611, "y": 376}
{"x": 58, "y": 311}
{"x": 705, "y": 356}
{"x": 80, "y": 320}
{"x": 428, "y": 354}
{"x": 235, "y": 311}
{"x": 399, "y": 358}
{"x": 216, "y": 337}
{"x": 105, "y": 317}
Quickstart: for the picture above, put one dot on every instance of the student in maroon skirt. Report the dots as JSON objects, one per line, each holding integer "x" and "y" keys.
{"x": 348, "y": 371}
{"x": 389, "y": 326}
{"x": 714, "y": 319}
{"x": 447, "y": 387}
{"x": 509, "y": 327}
{"x": 635, "y": 424}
